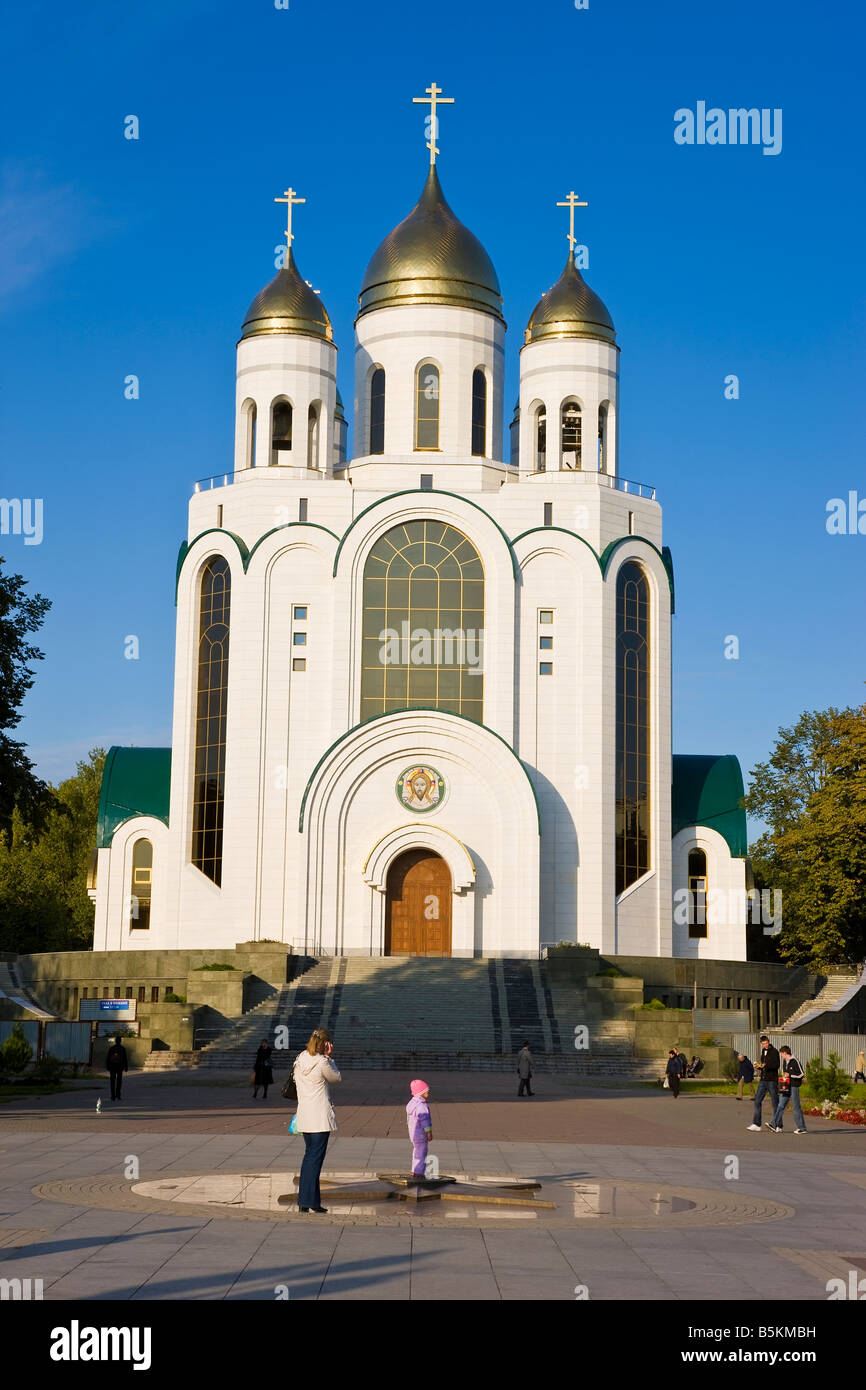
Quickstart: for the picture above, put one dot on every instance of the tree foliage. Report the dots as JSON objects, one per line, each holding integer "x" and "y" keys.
{"x": 20, "y": 615}
{"x": 812, "y": 794}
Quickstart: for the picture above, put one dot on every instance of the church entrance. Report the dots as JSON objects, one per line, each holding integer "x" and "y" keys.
{"x": 418, "y": 905}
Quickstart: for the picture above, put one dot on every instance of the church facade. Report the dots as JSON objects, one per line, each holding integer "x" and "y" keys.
{"x": 422, "y": 698}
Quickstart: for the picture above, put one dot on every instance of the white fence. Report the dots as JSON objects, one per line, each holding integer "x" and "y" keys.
{"x": 805, "y": 1046}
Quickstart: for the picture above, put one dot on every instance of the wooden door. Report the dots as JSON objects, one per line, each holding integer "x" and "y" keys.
{"x": 418, "y": 906}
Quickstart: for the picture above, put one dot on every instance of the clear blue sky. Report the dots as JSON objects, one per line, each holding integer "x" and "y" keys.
{"x": 141, "y": 257}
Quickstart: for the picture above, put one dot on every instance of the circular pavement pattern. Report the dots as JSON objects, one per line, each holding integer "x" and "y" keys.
{"x": 578, "y": 1201}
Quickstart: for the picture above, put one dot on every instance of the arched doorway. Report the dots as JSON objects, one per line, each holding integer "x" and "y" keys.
{"x": 418, "y": 905}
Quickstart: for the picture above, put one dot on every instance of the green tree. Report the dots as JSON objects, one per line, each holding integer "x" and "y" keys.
{"x": 812, "y": 794}
{"x": 20, "y": 615}
{"x": 16, "y": 1051}
{"x": 43, "y": 869}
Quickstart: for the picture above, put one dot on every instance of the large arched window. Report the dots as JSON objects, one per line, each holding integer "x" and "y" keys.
{"x": 541, "y": 439}
{"x": 602, "y": 437}
{"x": 571, "y": 435}
{"x": 479, "y": 412}
{"x": 313, "y": 417}
{"x": 515, "y": 436}
{"x": 427, "y": 406}
{"x": 423, "y": 622}
{"x": 632, "y": 725}
{"x": 377, "y": 411}
{"x": 210, "y": 727}
{"x": 697, "y": 893}
{"x": 281, "y": 430}
{"x": 249, "y": 419}
{"x": 140, "y": 885}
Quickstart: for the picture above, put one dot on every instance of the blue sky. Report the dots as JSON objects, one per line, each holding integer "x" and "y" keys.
{"x": 141, "y": 257}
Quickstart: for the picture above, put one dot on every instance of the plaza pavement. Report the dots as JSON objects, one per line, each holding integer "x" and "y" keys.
{"x": 795, "y": 1217}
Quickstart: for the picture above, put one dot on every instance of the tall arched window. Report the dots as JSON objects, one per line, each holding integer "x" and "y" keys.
{"x": 632, "y": 725}
{"x": 571, "y": 435}
{"x": 249, "y": 455}
{"x": 479, "y": 412}
{"x": 515, "y": 436}
{"x": 281, "y": 430}
{"x": 541, "y": 439}
{"x": 377, "y": 411}
{"x": 602, "y": 437}
{"x": 427, "y": 406}
{"x": 423, "y": 622}
{"x": 140, "y": 885}
{"x": 697, "y": 893}
{"x": 313, "y": 415}
{"x": 210, "y": 727}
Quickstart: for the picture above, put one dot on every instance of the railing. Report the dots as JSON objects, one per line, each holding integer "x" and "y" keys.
{"x": 634, "y": 489}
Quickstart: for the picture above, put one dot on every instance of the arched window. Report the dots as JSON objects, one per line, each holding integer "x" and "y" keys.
{"x": 427, "y": 406}
{"x": 602, "y": 437}
{"x": 697, "y": 893}
{"x": 571, "y": 431}
{"x": 313, "y": 436}
{"x": 281, "y": 430}
{"x": 377, "y": 411}
{"x": 515, "y": 436}
{"x": 479, "y": 412}
{"x": 210, "y": 728}
{"x": 423, "y": 622}
{"x": 140, "y": 885}
{"x": 249, "y": 455}
{"x": 632, "y": 725}
{"x": 541, "y": 439}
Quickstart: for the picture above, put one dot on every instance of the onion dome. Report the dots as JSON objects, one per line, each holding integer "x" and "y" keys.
{"x": 288, "y": 305}
{"x": 431, "y": 258}
{"x": 570, "y": 310}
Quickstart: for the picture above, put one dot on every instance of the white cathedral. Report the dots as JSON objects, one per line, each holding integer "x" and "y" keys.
{"x": 422, "y": 697}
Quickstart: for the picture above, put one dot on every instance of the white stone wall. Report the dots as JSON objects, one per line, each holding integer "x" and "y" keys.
{"x": 726, "y": 885}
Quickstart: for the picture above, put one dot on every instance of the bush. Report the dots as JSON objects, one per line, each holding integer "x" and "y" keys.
{"x": 731, "y": 1070}
{"x": 174, "y": 999}
{"x": 707, "y": 1040}
{"x": 16, "y": 1051}
{"x": 48, "y": 1069}
{"x": 828, "y": 1082}
{"x": 215, "y": 967}
{"x": 653, "y": 1004}
{"x": 611, "y": 973}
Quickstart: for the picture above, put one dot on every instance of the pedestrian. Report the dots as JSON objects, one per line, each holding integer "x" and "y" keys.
{"x": 745, "y": 1075}
{"x": 790, "y": 1082}
{"x": 524, "y": 1071}
{"x": 315, "y": 1119}
{"x": 673, "y": 1072}
{"x": 420, "y": 1126}
{"x": 684, "y": 1066}
{"x": 860, "y": 1067}
{"x": 116, "y": 1064}
{"x": 769, "y": 1082}
{"x": 262, "y": 1075}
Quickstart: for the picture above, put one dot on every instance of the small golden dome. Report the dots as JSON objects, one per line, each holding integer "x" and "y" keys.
{"x": 570, "y": 309}
{"x": 431, "y": 258}
{"x": 288, "y": 305}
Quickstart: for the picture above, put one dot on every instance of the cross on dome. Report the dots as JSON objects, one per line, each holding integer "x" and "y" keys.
{"x": 433, "y": 96}
{"x": 571, "y": 202}
{"x": 290, "y": 199}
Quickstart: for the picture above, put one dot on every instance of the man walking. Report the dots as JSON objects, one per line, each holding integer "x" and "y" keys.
{"x": 745, "y": 1076}
{"x": 524, "y": 1071}
{"x": 116, "y": 1064}
{"x": 789, "y": 1089}
{"x": 673, "y": 1072}
{"x": 768, "y": 1084}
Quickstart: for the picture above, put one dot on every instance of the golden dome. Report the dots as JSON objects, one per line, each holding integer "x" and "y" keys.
{"x": 431, "y": 258}
{"x": 570, "y": 310}
{"x": 288, "y": 305}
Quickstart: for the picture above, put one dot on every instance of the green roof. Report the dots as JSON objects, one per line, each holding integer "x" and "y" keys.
{"x": 707, "y": 790}
{"x": 135, "y": 782}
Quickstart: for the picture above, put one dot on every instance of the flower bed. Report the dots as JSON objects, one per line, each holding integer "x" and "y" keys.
{"x": 836, "y": 1110}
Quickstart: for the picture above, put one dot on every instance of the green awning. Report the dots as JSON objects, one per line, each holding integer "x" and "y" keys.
{"x": 136, "y": 782}
{"x": 707, "y": 790}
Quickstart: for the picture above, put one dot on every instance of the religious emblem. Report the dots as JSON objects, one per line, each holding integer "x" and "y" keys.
{"x": 420, "y": 788}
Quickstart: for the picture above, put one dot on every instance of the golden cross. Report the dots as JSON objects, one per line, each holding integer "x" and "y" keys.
{"x": 290, "y": 200}
{"x": 431, "y": 100}
{"x": 572, "y": 202}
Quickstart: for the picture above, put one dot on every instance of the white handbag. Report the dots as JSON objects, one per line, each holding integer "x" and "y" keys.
{"x": 666, "y": 1084}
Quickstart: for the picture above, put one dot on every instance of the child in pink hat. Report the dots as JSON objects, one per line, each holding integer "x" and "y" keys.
{"x": 420, "y": 1128}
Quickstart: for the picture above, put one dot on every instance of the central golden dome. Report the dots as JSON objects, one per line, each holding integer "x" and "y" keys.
{"x": 431, "y": 258}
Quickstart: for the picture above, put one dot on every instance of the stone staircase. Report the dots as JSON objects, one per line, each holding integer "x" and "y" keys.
{"x": 835, "y": 985}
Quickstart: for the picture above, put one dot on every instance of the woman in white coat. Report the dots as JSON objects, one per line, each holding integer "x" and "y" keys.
{"x": 313, "y": 1071}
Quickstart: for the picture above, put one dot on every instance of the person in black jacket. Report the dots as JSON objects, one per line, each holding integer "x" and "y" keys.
{"x": 674, "y": 1071}
{"x": 745, "y": 1076}
{"x": 262, "y": 1073}
{"x": 790, "y": 1082}
{"x": 769, "y": 1082}
{"x": 116, "y": 1064}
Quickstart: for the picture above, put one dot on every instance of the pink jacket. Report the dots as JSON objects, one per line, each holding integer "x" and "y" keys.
{"x": 418, "y": 1119}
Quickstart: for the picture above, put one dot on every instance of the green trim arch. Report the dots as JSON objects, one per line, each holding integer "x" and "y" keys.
{"x": 563, "y": 530}
{"x": 286, "y": 526}
{"x": 427, "y": 709}
{"x": 186, "y": 547}
{"x": 707, "y": 790}
{"x": 419, "y": 492}
{"x": 135, "y": 782}
{"x": 664, "y": 555}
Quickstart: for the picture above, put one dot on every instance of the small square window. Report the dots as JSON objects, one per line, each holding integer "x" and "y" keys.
{"x": 300, "y": 614}
{"x": 548, "y": 513}
{"x": 169, "y": 989}
{"x": 545, "y": 668}
{"x": 545, "y": 643}
{"x": 154, "y": 994}
{"x": 426, "y": 482}
{"x": 118, "y": 992}
{"x": 299, "y": 639}
{"x": 105, "y": 992}
{"x": 141, "y": 996}
{"x": 299, "y": 664}
{"x": 84, "y": 992}
{"x": 302, "y": 509}
{"x": 545, "y": 615}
